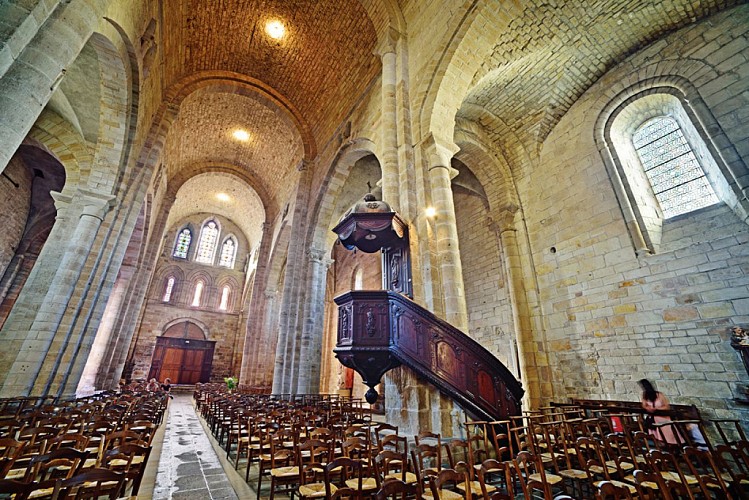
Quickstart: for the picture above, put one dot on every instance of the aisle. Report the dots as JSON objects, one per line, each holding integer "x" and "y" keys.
{"x": 188, "y": 466}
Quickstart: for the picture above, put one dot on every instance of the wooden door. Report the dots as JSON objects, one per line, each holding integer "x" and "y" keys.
{"x": 192, "y": 366}
{"x": 183, "y": 360}
{"x": 172, "y": 365}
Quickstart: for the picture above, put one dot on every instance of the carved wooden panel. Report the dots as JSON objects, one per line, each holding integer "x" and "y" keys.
{"x": 387, "y": 329}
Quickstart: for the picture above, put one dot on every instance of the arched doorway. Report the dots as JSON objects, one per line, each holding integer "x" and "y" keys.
{"x": 183, "y": 355}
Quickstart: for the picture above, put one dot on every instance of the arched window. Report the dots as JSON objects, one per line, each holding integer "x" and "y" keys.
{"x": 183, "y": 244}
{"x": 662, "y": 160}
{"x": 198, "y": 293}
{"x": 168, "y": 289}
{"x": 228, "y": 253}
{"x": 207, "y": 243}
{"x": 678, "y": 181}
{"x": 224, "y": 304}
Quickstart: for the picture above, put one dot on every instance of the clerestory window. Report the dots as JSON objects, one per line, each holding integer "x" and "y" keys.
{"x": 207, "y": 242}
{"x": 182, "y": 247}
{"x": 228, "y": 253}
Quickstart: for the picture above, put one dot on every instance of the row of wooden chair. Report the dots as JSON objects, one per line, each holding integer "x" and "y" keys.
{"x": 113, "y": 433}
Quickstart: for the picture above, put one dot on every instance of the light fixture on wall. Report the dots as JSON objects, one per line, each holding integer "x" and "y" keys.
{"x": 430, "y": 212}
{"x": 222, "y": 197}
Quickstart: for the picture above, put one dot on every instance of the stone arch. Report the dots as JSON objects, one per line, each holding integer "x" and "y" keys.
{"x": 491, "y": 169}
{"x": 332, "y": 186}
{"x": 175, "y": 322}
{"x": 57, "y": 136}
{"x": 175, "y": 182}
{"x": 236, "y": 83}
{"x": 468, "y": 41}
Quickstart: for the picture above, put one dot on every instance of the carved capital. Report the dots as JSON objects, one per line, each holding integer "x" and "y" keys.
{"x": 439, "y": 152}
{"x": 503, "y": 219}
{"x": 95, "y": 204}
{"x": 62, "y": 203}
{"x": 387, "y": 42}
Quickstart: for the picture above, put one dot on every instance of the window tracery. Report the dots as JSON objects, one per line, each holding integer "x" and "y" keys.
{"x": 228, "y": 253}
{"x": 678, "y": 181}
{"x": 207, "y": 242}
{"x": 182, "y": 247}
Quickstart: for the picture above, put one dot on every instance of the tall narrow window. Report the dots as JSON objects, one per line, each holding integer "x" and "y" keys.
{"x": 207, "y": 243}
{"x": 224, "y": 304}
{"x": 168, "y": 289}
{"x": 183, "y": 244}
{"x": 678, "y": 181}
{"x": 198, "y": 293}
{"x": 228, "y": 253}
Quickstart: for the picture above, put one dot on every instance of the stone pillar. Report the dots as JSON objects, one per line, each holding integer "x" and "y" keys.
{"x": 256, "y": 335}
{"x": 386, "y": 49}
{"x": 31, "y": 369}
{"x": 28, "y": 83}
{"x": 446, "y": 232}
{"x": 530, "y": 365}
{"x": 292, "y": 289}
{"x": 112, "y": 366}
{"x": 310, "y": 350}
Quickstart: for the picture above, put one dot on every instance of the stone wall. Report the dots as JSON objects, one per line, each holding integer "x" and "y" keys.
{"x": 609, "y": 317}
{"x": 489, "y": 312}
{"x": 223, "y": 326}
{"x": 14, "y": 205}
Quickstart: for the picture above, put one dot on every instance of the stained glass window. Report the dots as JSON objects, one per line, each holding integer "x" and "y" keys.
{"x": 168, "y": 289}
{"x": 183, "y": 244}
{"x": 228, "y": 253}
{"x": 677, "y": 178}
{"x": 224, "y": 298}
{"x": 207, "y": 243}
{"x": 198, "y": 292}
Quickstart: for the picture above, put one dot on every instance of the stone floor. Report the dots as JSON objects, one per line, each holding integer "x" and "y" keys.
{"x": 188, "y": 467}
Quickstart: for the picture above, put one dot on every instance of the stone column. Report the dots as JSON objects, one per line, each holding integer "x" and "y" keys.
{"x": 386, "y": 49}
{"x": 529, "y": 364}
{"x": 31, "y": 369}
{"x": 255, "y": 335}
{"x": 292, "y": 289}
{"x": 310, "y": 350}
{"x": 126, "y": 322}
{"x": 441, "y": 174}
{"x": 28, "y": 83}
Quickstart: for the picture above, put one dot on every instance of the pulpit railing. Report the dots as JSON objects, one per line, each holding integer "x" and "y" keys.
{"x": 380, "y": 330}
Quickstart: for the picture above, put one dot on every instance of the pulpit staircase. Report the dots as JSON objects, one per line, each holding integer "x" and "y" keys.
{"x": 380, "y": 330}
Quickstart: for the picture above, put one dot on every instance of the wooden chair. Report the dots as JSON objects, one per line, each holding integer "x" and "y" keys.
{"x": 277, "y": 458}
{"x": 131, "y": 460}
{"x": 395, "y": 488}
{"x": 530, "y": 475}
{"x": 704, "y": 468}
{"x": 393, "y": 465}
{"x": 492, "y": 467}
{"x": 312, "y": 456}
{"x": 94, "y": 483}
{"x": 444, "y": 486}
{"x": 19, "y": 489}
{"x": 610, "y": 491}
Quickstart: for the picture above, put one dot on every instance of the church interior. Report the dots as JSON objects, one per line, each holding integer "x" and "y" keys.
{"x": 569, "y": 180}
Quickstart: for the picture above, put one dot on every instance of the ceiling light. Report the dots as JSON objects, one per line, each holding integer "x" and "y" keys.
{"x": 275, "y": 29}
{"x": 222, "y": 197}
{"x": 241, "y": 135}
{"x": 430, "y": 211}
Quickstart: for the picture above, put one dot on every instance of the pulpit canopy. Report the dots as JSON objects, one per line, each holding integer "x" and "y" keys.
{"x": 370, "y": 225}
